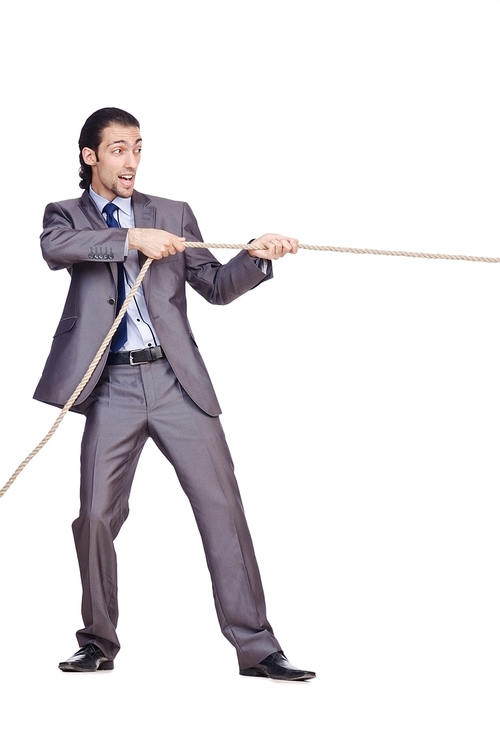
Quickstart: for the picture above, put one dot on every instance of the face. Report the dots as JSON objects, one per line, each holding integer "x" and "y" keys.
{"x": 115, "y": 163}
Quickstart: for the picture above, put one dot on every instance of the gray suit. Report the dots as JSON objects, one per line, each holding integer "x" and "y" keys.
{"x": 171, "y": 400}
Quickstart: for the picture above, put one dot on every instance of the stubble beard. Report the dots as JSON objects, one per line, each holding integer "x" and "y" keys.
{"x": 119, "y": 191}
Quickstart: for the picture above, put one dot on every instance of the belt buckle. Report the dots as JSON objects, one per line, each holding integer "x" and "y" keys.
{"x": 131, "y": 357}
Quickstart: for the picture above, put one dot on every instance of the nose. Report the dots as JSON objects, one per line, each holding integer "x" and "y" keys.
{"x": 133, "y": 159}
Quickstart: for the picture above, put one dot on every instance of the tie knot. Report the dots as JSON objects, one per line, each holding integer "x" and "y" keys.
{"x": 108, "y": 210}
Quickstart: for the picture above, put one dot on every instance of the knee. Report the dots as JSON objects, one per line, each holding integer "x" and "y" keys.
{"x": 100, "y": 523}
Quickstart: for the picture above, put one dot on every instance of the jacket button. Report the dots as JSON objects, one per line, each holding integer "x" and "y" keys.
{"x": 111, "y": 301}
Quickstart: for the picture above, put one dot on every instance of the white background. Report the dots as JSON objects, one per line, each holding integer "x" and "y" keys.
{"x": 360, "y": 393}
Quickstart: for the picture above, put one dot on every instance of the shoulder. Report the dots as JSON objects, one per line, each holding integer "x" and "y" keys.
{"x": 170, "y": 214}
{"x": 70, "y": 205}
{"x": 172, "y": 205}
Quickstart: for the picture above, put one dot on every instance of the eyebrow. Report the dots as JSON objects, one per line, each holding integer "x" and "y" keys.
{"x": 123, "y": 141}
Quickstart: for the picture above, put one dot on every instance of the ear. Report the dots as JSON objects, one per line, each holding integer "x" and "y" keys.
{"x": 89, "y": 156}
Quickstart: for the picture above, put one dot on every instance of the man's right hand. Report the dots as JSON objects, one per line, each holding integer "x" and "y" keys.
{"x": 155, "y": 243}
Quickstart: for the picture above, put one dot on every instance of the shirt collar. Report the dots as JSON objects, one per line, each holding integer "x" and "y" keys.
{"x": 124, "y": 204}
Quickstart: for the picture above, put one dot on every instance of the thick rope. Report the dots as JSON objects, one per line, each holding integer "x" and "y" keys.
{"x": 202, "y": 245}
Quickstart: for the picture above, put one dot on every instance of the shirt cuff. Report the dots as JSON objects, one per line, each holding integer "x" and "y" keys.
{"x": 261, "y": 264}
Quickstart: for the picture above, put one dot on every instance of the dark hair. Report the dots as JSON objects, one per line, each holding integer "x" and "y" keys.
{"x": 91, "y": 135}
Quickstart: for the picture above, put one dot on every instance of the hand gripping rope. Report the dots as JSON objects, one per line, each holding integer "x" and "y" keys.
{"x": 203, "y": 245}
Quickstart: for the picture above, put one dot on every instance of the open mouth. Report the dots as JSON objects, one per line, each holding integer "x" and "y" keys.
{"x": 127, "y": 178}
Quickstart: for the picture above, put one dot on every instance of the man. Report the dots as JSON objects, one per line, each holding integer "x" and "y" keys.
{"x": 151, "y": 382}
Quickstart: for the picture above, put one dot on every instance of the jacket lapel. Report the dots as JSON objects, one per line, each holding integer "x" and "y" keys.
{"x": 144, "y": 217}
{"x": 144, "y": 211}
{"x": 91, "y": 212}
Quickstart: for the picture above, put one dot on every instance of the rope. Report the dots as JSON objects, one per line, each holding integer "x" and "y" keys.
{"x": 350, "y": 250}
{"x": 85, "y": 379}
{"x": 203, "y": 245}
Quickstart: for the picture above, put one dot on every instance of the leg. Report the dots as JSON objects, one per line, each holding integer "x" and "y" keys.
{"x": 115, "y": 433}
{"x": 195, "y": 444}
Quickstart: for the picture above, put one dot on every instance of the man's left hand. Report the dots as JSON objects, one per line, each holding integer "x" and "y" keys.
{"x": 274, "y": 246}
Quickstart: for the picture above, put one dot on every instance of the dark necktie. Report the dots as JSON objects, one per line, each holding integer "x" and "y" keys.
{"x": 120, "y": 337}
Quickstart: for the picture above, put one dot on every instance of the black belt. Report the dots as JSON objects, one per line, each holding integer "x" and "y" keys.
{"x": 137, "y": 356}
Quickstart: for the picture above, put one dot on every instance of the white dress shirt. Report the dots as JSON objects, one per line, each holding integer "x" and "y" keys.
{"x": 140, "y": 331}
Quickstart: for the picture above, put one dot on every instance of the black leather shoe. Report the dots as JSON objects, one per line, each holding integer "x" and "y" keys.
{"x": 277, "y": 666}
{"x": 87, "y": 658}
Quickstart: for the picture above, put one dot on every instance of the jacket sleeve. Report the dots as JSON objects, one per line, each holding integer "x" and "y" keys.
{"x": 219, "y": 283}
{"x": 63, "y": 245}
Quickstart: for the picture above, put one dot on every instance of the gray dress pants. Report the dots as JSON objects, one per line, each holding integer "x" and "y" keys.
{"x": 128, "y": 405}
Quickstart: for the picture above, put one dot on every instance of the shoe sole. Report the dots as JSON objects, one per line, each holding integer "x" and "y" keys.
{"x": 253, "y": 672}
{"x": 258, "y": 673}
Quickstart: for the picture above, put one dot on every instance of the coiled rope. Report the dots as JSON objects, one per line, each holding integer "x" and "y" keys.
{"x": 203, "y": 245}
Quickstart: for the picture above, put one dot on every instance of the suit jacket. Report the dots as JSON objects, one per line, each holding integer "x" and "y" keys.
{"x": 76, "y": 237}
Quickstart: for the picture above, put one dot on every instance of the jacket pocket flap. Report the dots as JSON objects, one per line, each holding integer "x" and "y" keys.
{"x": 65, "y": 325}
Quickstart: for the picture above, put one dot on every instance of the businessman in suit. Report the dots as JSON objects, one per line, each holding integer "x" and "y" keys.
{"x": 151, "y": 382}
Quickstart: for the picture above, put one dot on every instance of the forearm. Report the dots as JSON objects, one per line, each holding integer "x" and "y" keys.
{"x": 218, "y": 283}
{"x": 222, "y": 284}
{"x": 63, "y": 245}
